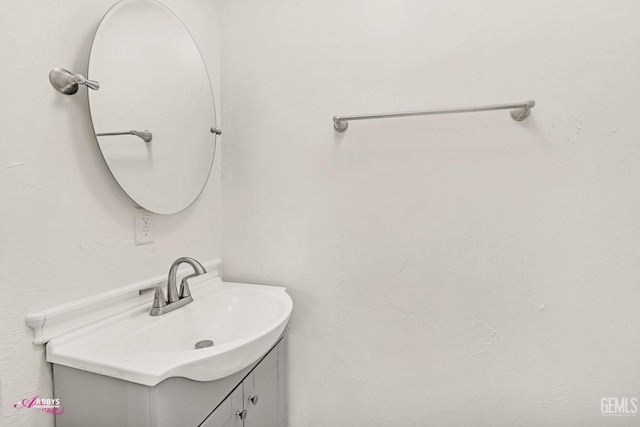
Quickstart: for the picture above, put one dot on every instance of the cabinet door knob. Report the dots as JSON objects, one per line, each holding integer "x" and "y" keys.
{"x": 253, "y": 399}
{"x": 242, "y": 414}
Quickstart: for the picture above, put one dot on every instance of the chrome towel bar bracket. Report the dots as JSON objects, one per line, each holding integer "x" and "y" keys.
{"x": 519, "y": 112}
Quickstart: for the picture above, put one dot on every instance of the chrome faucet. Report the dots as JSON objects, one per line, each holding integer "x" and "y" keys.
{"x": 174, "y": 299}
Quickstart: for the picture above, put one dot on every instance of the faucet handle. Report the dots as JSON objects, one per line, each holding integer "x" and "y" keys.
{"x": 184, "y": 286}
{"x": 147, "y": 290}
{"x": 158, "y": 299}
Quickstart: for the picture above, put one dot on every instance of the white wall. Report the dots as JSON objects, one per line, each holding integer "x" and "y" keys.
{"x": 446, "y": 271}
{"x": 66, "y": 229}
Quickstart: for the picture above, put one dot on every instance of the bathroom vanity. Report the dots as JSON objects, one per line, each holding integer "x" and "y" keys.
{"x": 218, "y": 361}
{"x": 253, "y": 397}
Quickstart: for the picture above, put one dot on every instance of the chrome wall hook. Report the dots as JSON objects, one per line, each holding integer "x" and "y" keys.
{"x": 67, "y": 83}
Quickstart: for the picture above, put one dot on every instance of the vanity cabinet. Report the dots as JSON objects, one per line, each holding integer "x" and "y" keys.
{"x": 229, "y": 413}
{"x": 253, "y": 397}
{"x": 258, "y": 401}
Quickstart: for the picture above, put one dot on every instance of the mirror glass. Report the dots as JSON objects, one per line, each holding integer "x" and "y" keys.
{"x": 153, "y": 85}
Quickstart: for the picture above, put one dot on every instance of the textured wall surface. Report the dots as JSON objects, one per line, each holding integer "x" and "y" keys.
{"x": 66, "y": 229}
{"x": 446, "y": 271}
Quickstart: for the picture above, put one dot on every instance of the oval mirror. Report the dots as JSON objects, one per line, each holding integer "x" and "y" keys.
{"x": 154, "y": 114}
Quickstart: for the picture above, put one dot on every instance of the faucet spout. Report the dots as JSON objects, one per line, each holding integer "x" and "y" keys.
{"x": 172, "y": 288}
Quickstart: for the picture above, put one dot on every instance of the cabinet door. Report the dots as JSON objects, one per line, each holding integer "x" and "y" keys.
{"x": 228, "y": 413}
{"x": 264, "y": 392}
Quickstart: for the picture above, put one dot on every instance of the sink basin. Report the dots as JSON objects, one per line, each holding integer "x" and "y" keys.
{"x": 242, "y": 320}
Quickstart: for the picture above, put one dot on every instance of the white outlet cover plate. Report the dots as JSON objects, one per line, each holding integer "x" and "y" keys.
{"x": 143, "y": 227}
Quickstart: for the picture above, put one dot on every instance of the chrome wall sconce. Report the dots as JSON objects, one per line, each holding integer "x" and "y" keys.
{"x": 67, "y": 83}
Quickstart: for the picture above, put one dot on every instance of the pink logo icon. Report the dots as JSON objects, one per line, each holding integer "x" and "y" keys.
{"x": 49, "y": 406}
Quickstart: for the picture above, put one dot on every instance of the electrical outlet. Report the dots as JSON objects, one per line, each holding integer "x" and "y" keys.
{"x": 143, "y": 227}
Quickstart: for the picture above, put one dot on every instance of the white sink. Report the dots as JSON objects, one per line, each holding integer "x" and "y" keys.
{"x": 242, "y": 320}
